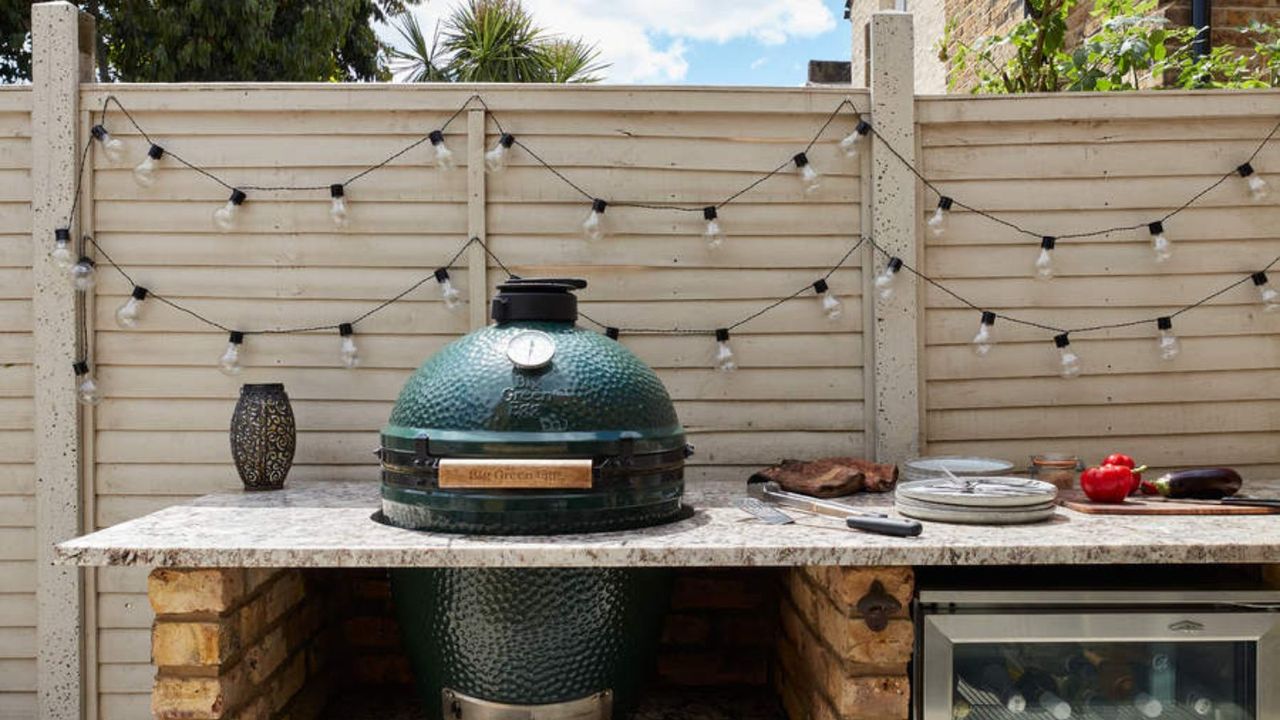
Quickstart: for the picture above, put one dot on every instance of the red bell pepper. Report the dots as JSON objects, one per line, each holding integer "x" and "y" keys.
{"x": 1108, "y": 483}
{"x": 1129, "y": 462}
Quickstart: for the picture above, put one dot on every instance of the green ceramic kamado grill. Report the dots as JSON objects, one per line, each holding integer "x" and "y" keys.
{"x": 532, "y": 426}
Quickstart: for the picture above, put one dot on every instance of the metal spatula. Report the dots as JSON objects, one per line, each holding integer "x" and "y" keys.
{"x": 772, "y": 493}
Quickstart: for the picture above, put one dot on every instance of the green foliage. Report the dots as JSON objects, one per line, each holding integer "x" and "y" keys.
{"x": 492, "y": 41}
{"x": 1132, "y": 47}
{"x": 220, "y": 40}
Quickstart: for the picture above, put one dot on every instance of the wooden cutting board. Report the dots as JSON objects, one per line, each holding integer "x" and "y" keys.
{"x": 1076, "y": 500}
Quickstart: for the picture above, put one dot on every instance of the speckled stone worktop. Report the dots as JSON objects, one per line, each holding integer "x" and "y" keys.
{"x": 328, "y": 524}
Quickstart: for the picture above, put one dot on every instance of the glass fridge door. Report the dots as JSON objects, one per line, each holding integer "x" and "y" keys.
{"x": 1121, "y": 666}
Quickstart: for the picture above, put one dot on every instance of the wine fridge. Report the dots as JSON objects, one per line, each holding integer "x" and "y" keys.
{"x": 1105, "y": 655}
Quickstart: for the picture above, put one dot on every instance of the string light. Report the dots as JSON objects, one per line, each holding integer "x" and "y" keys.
{"x": 444, "y": 156}
{"x": 338, "y": 205}
{"x": 1169, "y": 345}
{"x": 452, "y": 298}
{"x": 809, "y": 177}
{"x": 61, "y": 252}
{"x": 1044, "y": 261}
{"x": 986, "y": 336}
{"x": 127, "y": 314}
{"x": 225, "y": 217}
{"x": 885, "y": 281}
{"x": 347, "y": 350}
{"x": 713, "y": 235}
{"x": 145, "y": 173}
{"x": 612, "y": 333}
{"x": 938, "y": 222}
{"x": 1258, "y": 188}
{"x": 1270, "y": 296}
{"x": 725, "y": 361}
{"x": 229, "y": 363}
{"x": 593, "y": 226}
{"x": 1067, "y": 357}
{"x": 87, "y": 391}
{"x": 850, "y": 143}
{"x": 831, "y": 305}
{"x": 111, "y": 146}
{"x": 496, "y": 159}
{"x": 1159, "y": 243}
{"x": 83, "y": 275}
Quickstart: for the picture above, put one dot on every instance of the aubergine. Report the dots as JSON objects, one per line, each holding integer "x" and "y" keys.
{"x": 1202, "y": 484}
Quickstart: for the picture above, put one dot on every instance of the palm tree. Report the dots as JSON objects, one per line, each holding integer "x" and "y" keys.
{"x": 492, "y": 41}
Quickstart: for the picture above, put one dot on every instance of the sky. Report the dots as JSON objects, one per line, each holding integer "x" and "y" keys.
{"x": 698, "y": 42}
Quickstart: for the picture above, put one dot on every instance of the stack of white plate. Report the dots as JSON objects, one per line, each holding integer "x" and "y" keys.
{"x": 977, "y": 500}
{"x": 938, "y": 466}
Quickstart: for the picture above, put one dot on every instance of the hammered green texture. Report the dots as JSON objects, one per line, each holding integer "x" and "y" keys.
{"x": 531, "y": 636}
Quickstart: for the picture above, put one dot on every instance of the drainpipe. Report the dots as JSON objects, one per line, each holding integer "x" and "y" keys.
{"x": 1200, "y": 20}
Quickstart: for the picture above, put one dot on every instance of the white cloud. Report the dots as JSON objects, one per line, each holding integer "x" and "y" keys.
{"x": 759, "y": 63}
{"x": 646, "y": 40}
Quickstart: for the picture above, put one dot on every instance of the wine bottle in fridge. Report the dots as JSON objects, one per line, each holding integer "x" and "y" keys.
{"x": 1040, "y": 687}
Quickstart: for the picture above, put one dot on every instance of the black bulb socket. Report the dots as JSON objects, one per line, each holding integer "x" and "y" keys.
{"x": 507, "y": 140}
{"x": 1048, "y": 242}
{"x": 155, "y": 152}
{"x": 800, "y": 159}
{"x": 1259, "y": 278}
{"x": 139, "y": 292}
{"x": 988, "y": 318}
{"x": 611, "y": 333}
{"x": 1164, "y": 323}
{"x": 99, "y": 132}
{"x": 945, "y": 203}
{"x": 709, "y": 213}
{"x": 598, "y": 205}
{"x": 1156, "y": 228}
{"x": 62, "y": 235}
{"x": 1245, "y": 170}
{"x": 235, "y": 337}
{"x": 1061, "y": 340}
{"x": 345, "y": 330}
{"x": 237, "y": 197}
{"x": 722, "y": 334}
{"x": 820, "y": 286}
{"x": 441, "y": 274}
{"x": 894, "y": 265}
{"x": 436, "y": 137}
{"x": 336, "y": 190}
{"x": 86, "y": 260}
{"x": 80, "y": 367}
{"x": 862, "y": 128}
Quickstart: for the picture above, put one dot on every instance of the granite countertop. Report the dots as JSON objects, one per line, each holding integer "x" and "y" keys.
{"x": 329, "y": 524}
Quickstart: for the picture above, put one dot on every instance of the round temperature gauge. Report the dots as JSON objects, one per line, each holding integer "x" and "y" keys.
{"x": 531, "y": 349}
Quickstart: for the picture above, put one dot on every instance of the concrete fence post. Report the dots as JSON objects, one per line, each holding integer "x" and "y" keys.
{"x": 896, "y": 421}
{"x": 58, "y": 32}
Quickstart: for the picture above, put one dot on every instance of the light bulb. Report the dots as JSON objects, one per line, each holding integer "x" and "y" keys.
{"x": 111, "y": 146}
{"x": 725, "y": 361}
{"x": 347, "y": 350}
{"x": 1270, "y": 296}
{"x": 87, "y": 391}
{"x": 809, "y": 177}
{"x": 1068, "y": 359}
{"x": 713, "y": 235}
{"x": 452, "y": 298}
{"x": 853, "y": 141}
{"x": 145, "y": 173}
{"x": 229, "y": 363}
{"x": 986, "y": 336}
{"x": 225, "y": 217}
{"x": 496, "y": 159}
{"x": 1159, "y": 242}
{"x": 885, "y": 281}
{"x": 61, "y": 252}
{"x": 938, "y": 221}
{"x": 444, "y": 156}
{"x": 1258, "y": 188}
{"x": 127, "y": 314}
{"x": 1044, "y": 261}
{"x": 593, "y": 226}
{"x": 1169, "y": 345}
{"x": 83, "y": 275}
{"x": 338, "y": 205}
{"x": 832, "y": 308}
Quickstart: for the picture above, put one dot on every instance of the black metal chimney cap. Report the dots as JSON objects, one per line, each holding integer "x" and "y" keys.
{"x": 537, "y": 299}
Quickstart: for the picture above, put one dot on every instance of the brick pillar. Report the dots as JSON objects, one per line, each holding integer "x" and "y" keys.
{"x": 237, "y": 643}
{"x": 831, "y": 665}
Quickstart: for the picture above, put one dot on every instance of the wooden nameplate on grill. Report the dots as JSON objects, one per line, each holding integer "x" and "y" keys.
{"x": 496, "y": 474}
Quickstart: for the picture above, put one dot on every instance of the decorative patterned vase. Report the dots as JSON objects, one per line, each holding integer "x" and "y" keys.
{"x": 263, "y": 436}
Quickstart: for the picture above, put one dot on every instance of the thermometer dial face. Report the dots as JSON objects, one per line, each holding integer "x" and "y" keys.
{"x": 531, "y": 349}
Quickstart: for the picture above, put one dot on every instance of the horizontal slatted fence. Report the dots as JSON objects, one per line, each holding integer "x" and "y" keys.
{"x": 17, "y": 475}
{"x": 1071, "y": 163}
{"x": 161, "y": 433}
